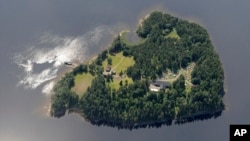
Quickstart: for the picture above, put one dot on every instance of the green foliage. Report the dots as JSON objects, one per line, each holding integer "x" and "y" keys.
{"x": 121, "y": 73}
{"x": 92, "y": 69}
{"x": 117, "y": 45}
{"x": 63, "y": 98}
{"x": 128, "y": 105}
{"x": 101, "y": 57}
{"x": 80, "y": 69}
{"x": 109, "y": 61}
{"x": 179, "y": 84}
{"x": 134, "y": 104}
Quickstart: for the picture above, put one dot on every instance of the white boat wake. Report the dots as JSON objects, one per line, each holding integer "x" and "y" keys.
{"x": 51, "y": 53}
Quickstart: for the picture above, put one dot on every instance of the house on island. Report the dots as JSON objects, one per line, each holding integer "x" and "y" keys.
{"x": 157, "y": 85}
{"x": 108, "y": 71}
{"x": 108, "y": 68}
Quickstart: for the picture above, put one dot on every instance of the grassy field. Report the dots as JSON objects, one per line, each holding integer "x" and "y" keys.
{"x": 82, "y": 82}
{"x": 173, "y": 34}
{"x": 116, "y": 83}
{"x": 119, "y": 62}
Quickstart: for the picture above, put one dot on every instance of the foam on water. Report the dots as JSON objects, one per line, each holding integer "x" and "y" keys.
{"x": 55, "y": 50}
{"x": 48, "y": 87}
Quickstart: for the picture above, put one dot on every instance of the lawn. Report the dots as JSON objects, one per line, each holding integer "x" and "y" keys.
{"x": 116, "y": 83}
{"x": 173, "y": 34}
{"x": 119, "y": 62}
{"x": 82, "y": 82}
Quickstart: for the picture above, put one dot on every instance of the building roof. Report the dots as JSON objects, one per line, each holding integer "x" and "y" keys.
{"x": 161, "y": 83}
{"x": 108, "y": 68}
{"x": 158, "y": 85}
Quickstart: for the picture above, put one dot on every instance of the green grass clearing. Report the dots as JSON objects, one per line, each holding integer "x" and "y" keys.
{"x": 82, "y": 82}
{"x": 116, "y": 83}
{"x": 119, "y": 62}
{"x": 173, "y": 34}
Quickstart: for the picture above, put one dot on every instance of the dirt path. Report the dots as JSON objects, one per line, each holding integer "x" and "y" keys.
{"x": 185, "y": 72}
{"x": 174, "y": 79}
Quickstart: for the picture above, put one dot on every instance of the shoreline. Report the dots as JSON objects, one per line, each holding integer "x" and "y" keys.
{"x": 143, "y": 18}
{"x": 167, "y": 121}
{"x": 70, "y": 69}
{"x": 128, "y": 123}
{"x": 87, "y": 61}
{"x": 94, "y": 56}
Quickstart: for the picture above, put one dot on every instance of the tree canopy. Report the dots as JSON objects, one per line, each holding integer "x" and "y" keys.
{"x": 169, "y": 43}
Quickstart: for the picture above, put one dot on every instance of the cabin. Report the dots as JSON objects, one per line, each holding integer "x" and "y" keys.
{"x": 108, "y": 68}
{"x": 108, "y": 71}
{"x": 157, "y": 85}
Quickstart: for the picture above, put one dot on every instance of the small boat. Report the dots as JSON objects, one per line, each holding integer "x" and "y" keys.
{"x": 67, "y": 63}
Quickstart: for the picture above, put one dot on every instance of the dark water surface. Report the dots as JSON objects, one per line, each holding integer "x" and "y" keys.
{"x": 23, "y": 111}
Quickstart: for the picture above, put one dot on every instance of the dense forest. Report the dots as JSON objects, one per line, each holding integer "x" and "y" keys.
{"x": 134, "y": 105}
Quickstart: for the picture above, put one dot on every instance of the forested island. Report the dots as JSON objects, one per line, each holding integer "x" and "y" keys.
{"x": 172, "y": 74}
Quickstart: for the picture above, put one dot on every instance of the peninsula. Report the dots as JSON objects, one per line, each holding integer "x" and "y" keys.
{"x": 172, "y": 74}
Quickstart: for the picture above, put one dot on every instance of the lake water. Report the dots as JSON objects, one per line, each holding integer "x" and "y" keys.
{"x": 37, "y": 36}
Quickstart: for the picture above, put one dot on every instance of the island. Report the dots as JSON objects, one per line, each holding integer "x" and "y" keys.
{"x": 172, "y": 74}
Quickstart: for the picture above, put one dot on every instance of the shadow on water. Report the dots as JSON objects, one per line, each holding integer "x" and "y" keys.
{"x": 149, "y": 124}
{"x": 199, "y": 118}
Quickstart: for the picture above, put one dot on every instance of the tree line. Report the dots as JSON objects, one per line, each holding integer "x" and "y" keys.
{"x": 134, "y": 104}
